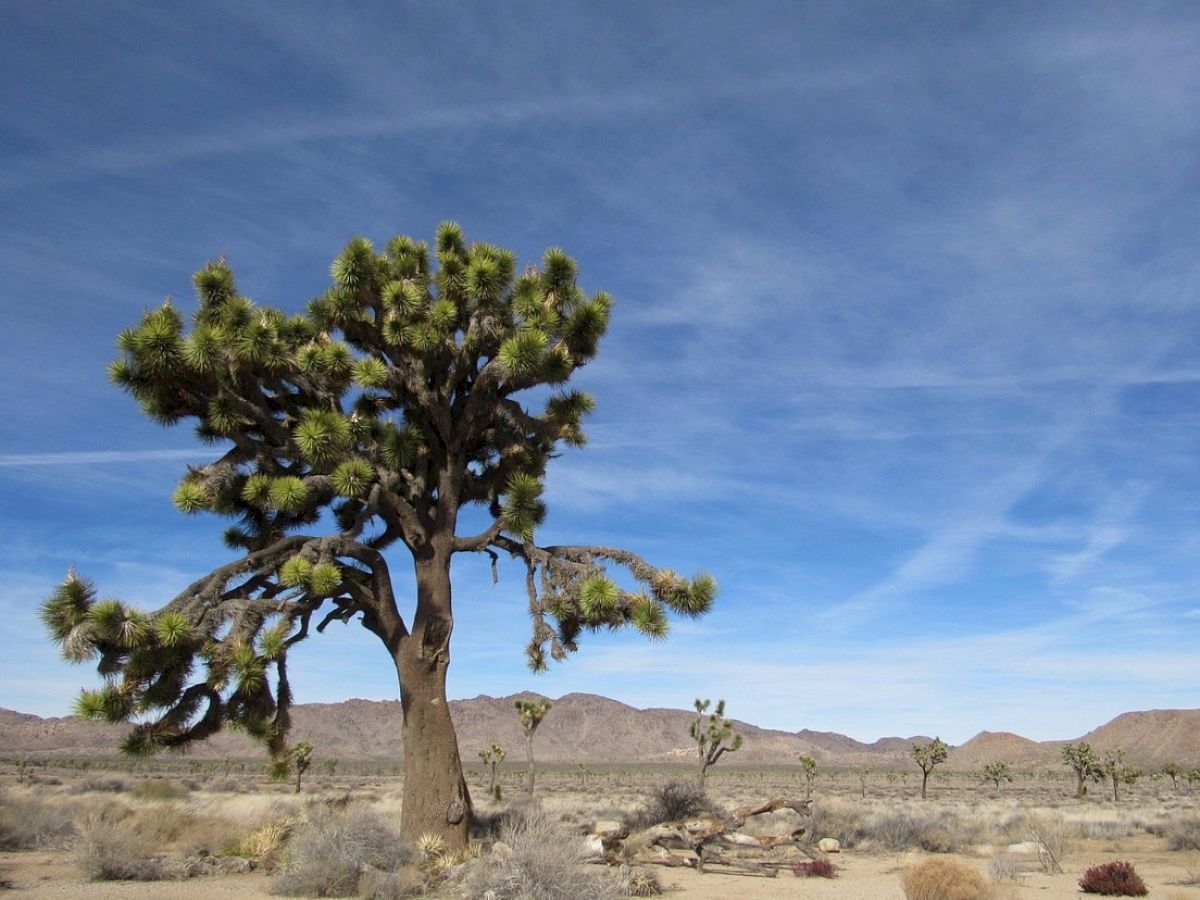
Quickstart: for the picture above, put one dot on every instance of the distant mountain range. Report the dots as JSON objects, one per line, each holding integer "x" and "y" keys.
{"x": 585, "y": 728}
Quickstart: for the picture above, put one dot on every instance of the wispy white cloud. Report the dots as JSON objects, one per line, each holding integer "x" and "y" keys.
{"x": 95, "y": 457}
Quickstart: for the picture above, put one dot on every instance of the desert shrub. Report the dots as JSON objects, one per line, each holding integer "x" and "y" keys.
{"x": 1181, "y": 834}
{"x": 1005, "y": 866}
{"x": 27, "y": 823}
{"x": 815, "y": 868}
{"x": 670, "y": 802}
{"x": 1113, "y": 879}
{"x": 1106, "y": 829}
{"x": 540, "y": 862}
{"x": 407, "y": 881}
{"x": 945, "y": 879}
{"x": 112, "y": 851}
{"x": 836, "y": 820}
{"x": 1054, "y": 841}
{"x": 333, "y": 848}
{"x": 159, "y": 789}
{"x": 107, "y": 785}
{"x": 638, "y": 881}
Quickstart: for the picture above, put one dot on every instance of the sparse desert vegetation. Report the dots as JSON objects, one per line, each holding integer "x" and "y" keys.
{"x": 215, "y": 832}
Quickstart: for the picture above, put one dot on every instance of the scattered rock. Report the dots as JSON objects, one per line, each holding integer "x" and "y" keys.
{"x": 829, "y": 845}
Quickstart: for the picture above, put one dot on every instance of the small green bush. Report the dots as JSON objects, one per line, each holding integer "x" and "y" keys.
{"x": 1113, "y": 879}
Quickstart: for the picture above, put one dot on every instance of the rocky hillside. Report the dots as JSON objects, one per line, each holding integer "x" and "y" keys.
{"x": 586, "y": 728}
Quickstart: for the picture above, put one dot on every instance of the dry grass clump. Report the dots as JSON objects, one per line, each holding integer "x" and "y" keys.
{"x": 160, "y": 789}
{"x": 1181, "y": 834}
{"x": 638, "y": 881}
{"x": 111, "y": 849}
{"x": 935, "y": 830}
{"x": 331, "y": 851}
{"x": 945, "y": 879}
{"x": 29, "y": 823}
{"x": 535, "y": 860}
{"x": 109, "y": 784}
{"x": 670, "y": 802}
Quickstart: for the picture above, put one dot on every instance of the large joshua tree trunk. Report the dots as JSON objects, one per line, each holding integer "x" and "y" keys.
{"x": 436, "y": 799}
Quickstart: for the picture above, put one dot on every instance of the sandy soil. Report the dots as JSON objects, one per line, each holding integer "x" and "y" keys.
{"x": 865, "y": 875}
{"x": 868, "y": 876}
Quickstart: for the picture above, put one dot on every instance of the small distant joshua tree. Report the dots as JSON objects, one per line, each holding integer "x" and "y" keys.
{"x": 808, "y": 768}
{"x": 531, "y": 712}
{"x": 1118, "y": 771}
{"x": 863, "y": 774}
{"x": 711, "y": 736}
{"x": 928, "y": 757}
{"x": 492, "y": 757}
{"x": 996, "y": 773}
{"x": 1173, "y": 770}
{"x": 1085, "y": 764}
{"x": 301, "y": 755}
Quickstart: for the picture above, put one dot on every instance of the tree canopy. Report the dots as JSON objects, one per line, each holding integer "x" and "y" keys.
{"x": 366, "y": 422}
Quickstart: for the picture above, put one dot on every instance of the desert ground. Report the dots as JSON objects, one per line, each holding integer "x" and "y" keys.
{"x": 68, "y": 816}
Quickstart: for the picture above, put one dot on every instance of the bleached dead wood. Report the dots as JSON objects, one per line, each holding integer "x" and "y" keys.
{"x": 708, "y": 840}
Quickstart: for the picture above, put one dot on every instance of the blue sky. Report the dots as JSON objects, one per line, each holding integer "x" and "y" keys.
{"x": 904, "y": 348}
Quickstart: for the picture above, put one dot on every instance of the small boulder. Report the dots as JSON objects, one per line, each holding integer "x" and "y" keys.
{"x": 829, "y": 845}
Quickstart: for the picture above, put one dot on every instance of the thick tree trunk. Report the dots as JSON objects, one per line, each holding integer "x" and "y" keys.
{"x": 436, "y": 799}
{"x": 924, "y": 784}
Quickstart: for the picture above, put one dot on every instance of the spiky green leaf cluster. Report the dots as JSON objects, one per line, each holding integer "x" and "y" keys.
{"x": 523, "y": 509}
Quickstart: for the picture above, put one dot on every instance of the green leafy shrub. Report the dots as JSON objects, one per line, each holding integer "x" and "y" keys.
{"x": 1113, "y": 879}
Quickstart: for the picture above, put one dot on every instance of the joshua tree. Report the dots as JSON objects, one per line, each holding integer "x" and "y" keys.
{"x": 808, "y": 768}
{"x": 410, "y": 389}
{"x": 928, "y": 757}
{"x": 711, "y": 736}
{"x": 1118, "y": 771}
{"x": 531, "y": 713}
{"x": 1084, "y": 763}
{"x": 1173, "y": 770}
{"x": 301, "y": 755}
{"x": 492, "y": 757}
{"x": 863, "y": 774}
{"x": 996, "y": 772}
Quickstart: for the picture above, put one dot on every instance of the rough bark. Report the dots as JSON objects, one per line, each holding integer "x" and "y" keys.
{"x": 436, "y": 799}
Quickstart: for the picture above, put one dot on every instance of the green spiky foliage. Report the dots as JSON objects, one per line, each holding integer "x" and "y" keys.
{"x": 928, "y": 757}
{"x": 714, "y": 736}
{"x": 422, "y": 381}
{"x": 1085, "y": 763}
